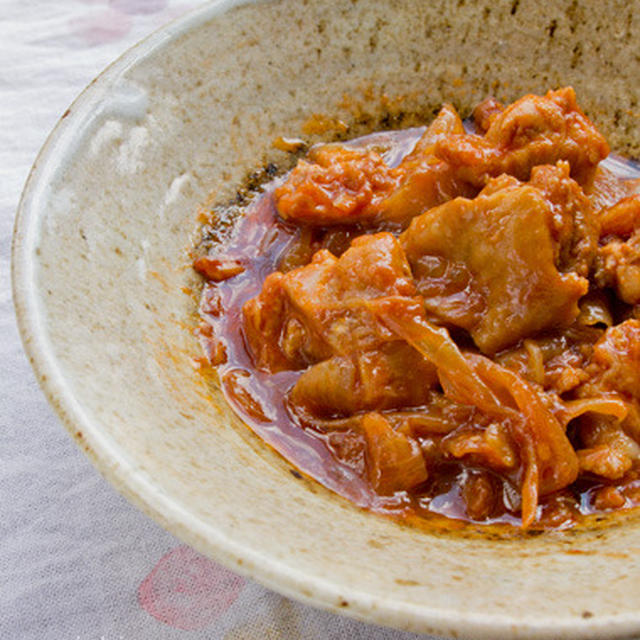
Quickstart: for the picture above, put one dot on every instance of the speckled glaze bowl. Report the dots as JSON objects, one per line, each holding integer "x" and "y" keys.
{"x": 106, "y": 298}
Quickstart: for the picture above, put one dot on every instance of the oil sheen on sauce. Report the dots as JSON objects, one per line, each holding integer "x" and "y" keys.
{"x": 259, "y": 242}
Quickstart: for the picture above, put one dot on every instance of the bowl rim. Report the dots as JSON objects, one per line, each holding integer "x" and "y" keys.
{"x": 139, "y": 489}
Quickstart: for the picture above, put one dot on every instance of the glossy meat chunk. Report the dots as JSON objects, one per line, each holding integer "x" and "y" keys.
{"x": 608, "y": 439}
{"x": 618, "y": 267}
{"x": 317, "y": 311}
{"x": 425, "y": 181}
{"x": 491, "y": 446}
{"x": 394, "y": 461}
{"x": 574, "y": 227}
{"x": 479, "y": 493}
{"x": 355, "y": 186}
{"x": 607, "y": 450}
{"x": 534, "y": 130}
{"x": 340, "y": 186}
{"x": 557, "y": 361}
{"x": 217, "y": 270}
{"x": 618, "y": 260}
{"x": 622, "y": 218}
{"x": 379, "y": 447}
{"x": 395, "y": 375}
{"x": 488, "y": 265}
{"x": 446, "y": 123}
{"x": 485, "y": 112}
{"x": 424, "y": 186}
{"x": 617, "y": 356}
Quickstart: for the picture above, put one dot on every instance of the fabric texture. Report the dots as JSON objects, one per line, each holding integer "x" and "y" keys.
{"x": 76, "y": 560}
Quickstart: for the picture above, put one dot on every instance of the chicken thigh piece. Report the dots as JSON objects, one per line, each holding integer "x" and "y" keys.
{"x": 489, "y": 265}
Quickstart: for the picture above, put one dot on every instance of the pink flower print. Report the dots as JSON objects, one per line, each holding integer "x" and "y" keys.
{"x": 138, "y": 6}
{"x": 187, "y": 591}
{"x": 101, "y": 27}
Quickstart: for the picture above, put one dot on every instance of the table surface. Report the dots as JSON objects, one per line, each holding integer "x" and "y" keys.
{"x": 77, "y": 561}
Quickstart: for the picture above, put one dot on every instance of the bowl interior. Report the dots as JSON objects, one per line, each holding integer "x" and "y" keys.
{"x": 106, "y": 298}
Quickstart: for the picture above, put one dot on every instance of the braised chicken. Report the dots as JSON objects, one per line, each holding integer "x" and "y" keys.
{"x": 456, "y": 326}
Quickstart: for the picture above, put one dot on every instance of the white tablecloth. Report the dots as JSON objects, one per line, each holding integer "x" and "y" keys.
{"x": 76, "y": 560}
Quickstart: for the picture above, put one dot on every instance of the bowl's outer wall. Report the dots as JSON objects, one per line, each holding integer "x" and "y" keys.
{"x": 102, "y": 281}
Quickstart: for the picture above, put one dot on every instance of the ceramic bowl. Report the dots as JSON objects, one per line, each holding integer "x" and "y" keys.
{"x": 106, "y": 298}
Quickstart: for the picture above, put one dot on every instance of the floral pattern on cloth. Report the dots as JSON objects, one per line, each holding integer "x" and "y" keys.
{"x": 187, "y": 591}
{"x": 108, "y": 21}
